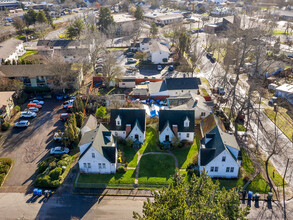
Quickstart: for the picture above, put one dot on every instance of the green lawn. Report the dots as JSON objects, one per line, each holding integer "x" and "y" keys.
{"x": 117, "y": 48}
{"x": 247, "y": 164}
{"x": 241, "y": 127}
{"x": 186, "y": 155}
{"x": 129, "y": 155}
{"x": 276, "y": 177}
{"x": 156, "y": 170}
{"x": 280, "y": 32}
{"x": 126, "y": 178}
{"x": 228, "y": 184}
{"x": 283, "y": 121}
{"x": 258, "y": 185}
{"x": 28, "y": 53}
{"x": 151, "y": 141}
{"x": 204, "y": 92}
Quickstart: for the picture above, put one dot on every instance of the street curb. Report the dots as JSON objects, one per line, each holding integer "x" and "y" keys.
{"x": 110, "y": 194}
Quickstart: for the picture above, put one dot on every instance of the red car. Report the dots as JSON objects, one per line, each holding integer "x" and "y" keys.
{"x": 64, "y": 116}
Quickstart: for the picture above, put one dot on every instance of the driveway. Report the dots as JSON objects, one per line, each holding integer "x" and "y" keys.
{"x": 27, "y": 147}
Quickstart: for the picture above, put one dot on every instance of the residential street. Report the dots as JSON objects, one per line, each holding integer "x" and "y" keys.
{"x": 27, "y": 147}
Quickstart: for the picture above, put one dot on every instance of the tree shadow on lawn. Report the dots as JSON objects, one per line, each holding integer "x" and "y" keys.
{"x": 151, "y": 143}
{"x": 156, "y": 169}
{"x": 117, "y": 178}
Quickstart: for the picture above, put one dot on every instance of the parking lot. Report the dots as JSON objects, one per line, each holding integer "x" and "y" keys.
{"x": 28, "y": 146}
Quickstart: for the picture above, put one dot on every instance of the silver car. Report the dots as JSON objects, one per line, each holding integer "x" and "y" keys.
{"x": 22, "y": 124}
{"x": 59, "y": 150}
{"x": 28, "y": 114}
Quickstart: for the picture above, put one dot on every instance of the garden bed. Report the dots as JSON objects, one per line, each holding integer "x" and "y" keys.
{"x": 5, "y": 165}
{"x": 52, "y": 171}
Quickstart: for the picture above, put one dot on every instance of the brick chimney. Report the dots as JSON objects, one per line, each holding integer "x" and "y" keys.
{"x": 127, "y": 129}
{"x": 175, "y": 129}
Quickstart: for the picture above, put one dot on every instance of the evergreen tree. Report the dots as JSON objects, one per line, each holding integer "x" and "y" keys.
{"x": 78, "y": 105}
{"x": 30, "y": 17}
{"x": 105, "y": 19}
{"x": 196, "y": 198}
{"x": 138, "y": 14}
{"x": 184, "y": 43}
{"x": 79, "y": 119}
{"x": 154, "y": 29}
{"x": 101, "y": 112}
{"x": 74, "y": 30}
{"x": 41, "y": 17}
{"x": 71, "y": 131}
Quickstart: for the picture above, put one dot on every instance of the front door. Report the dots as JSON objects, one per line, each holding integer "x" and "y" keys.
{"x": 167, "y": 138}
{"x": 136, "y": 137}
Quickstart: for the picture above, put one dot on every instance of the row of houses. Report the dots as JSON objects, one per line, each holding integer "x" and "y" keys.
{"x": 219, "y": 152}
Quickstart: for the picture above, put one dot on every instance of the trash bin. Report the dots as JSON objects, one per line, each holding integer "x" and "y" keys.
{"x": 244, "y": 194}
{"x": 257, "y": 196}
{"x": 270, "y": 196}
{"x": 39, "y": 192}
{"x": 35, "y": 191}
{"x": 250, "y": 194}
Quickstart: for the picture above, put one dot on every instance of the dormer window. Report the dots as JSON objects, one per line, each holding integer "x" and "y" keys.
{"x": 186, "y": 123}
{"x": 118, "y": 121}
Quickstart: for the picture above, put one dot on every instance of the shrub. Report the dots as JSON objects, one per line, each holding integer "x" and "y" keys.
{"x": 54, "y": 174}
{"x": 2, "y": 175}
{"x": 6, "y": 161}
{"x": 4, "y": 168}
{"x": 61, "y": 163}
{"x": 121, "y": 170}
{"x": 17, "y": 108}
{"x": 43, "y": 181}
{"x": 126, "y": 164}
{"x": 5, "y": 126}
{"x": 45, "y": 163}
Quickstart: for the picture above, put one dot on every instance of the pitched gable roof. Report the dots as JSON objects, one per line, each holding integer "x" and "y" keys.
{"x": 176, "y": 117}
{"x": 102, "y": 140}
{"x": 127, "y": 116}
{"x": 182, "y": 83}
{"x": 157, "y": 46}
{"x": 217, "y": 142}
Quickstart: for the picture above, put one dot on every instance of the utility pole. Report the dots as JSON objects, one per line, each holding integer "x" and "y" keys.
{"x": 285, "y": 217}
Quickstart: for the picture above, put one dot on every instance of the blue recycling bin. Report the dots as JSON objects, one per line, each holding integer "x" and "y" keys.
{"x": 39, "y": 192}
{"x": 250, "y": 194}
{"x": 35, "y": 191}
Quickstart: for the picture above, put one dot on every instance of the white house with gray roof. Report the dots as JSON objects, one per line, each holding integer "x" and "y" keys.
{"x": 128, "y": 123}
{"x": 179, "y": 123}
{"x": 219, "y": 154}
{"x": 98, "y": 151}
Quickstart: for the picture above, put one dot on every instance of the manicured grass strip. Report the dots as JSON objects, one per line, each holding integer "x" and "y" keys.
{"x": 28, "y": 53}
{"x": 187, "y": 155}
{"x": 116, "y": 48}
{"x": 233, "y": 183}
{"x": 133, "y": 161}
{"x": 247, "y": 164}
{"x": 258, "y": 185}
{"x": 281, "y": 32}
{"x": 126, "y": 178}
{"x": 156, "y": 169}
{"x": 282, "y": 122}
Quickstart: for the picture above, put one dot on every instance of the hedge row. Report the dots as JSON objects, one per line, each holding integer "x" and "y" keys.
{"x": 5, "y": 164}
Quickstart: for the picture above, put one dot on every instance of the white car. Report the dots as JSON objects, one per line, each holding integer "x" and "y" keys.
{"x": 67, "y": 103}
{"x": 38, "y": 102}
{"x": 28, "y": 114}
{"x": 33, "y": 109}
{"x": 22, "y": 124}
{"x": 58, "y": 136}
{"x": 59, "y": 150}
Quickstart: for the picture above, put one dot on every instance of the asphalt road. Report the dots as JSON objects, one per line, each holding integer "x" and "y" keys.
{"x": 28, "y": 146}
{"x": 67, "y": 206}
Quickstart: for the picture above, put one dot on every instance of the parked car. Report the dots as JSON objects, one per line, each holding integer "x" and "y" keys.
{"x": 211, "y": 58}
{"x": 58, "y": 136}
{"x": 171, "y": 68}
{"x": 28, "y": 114}
{"x": 100, "y": 61}
{"x": 272, "y": 101}
{"x": 22, "y": 124}
{"x": 220, "y": 91}
{"x": 64, "y": 116}
{"x": 159, "y": 67}
{"x": 67, "y": 103}
{"x": 29, "y": 105}
{"x": 130, "y": 54}
{"x": 33, "y": 109}
{"x": 131, "y": 60}
{"x": 59, "y": 150}
{"x": 59, "y": 96}
{"x": 38, "y": 102}
{"x": 39, "y": 106}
